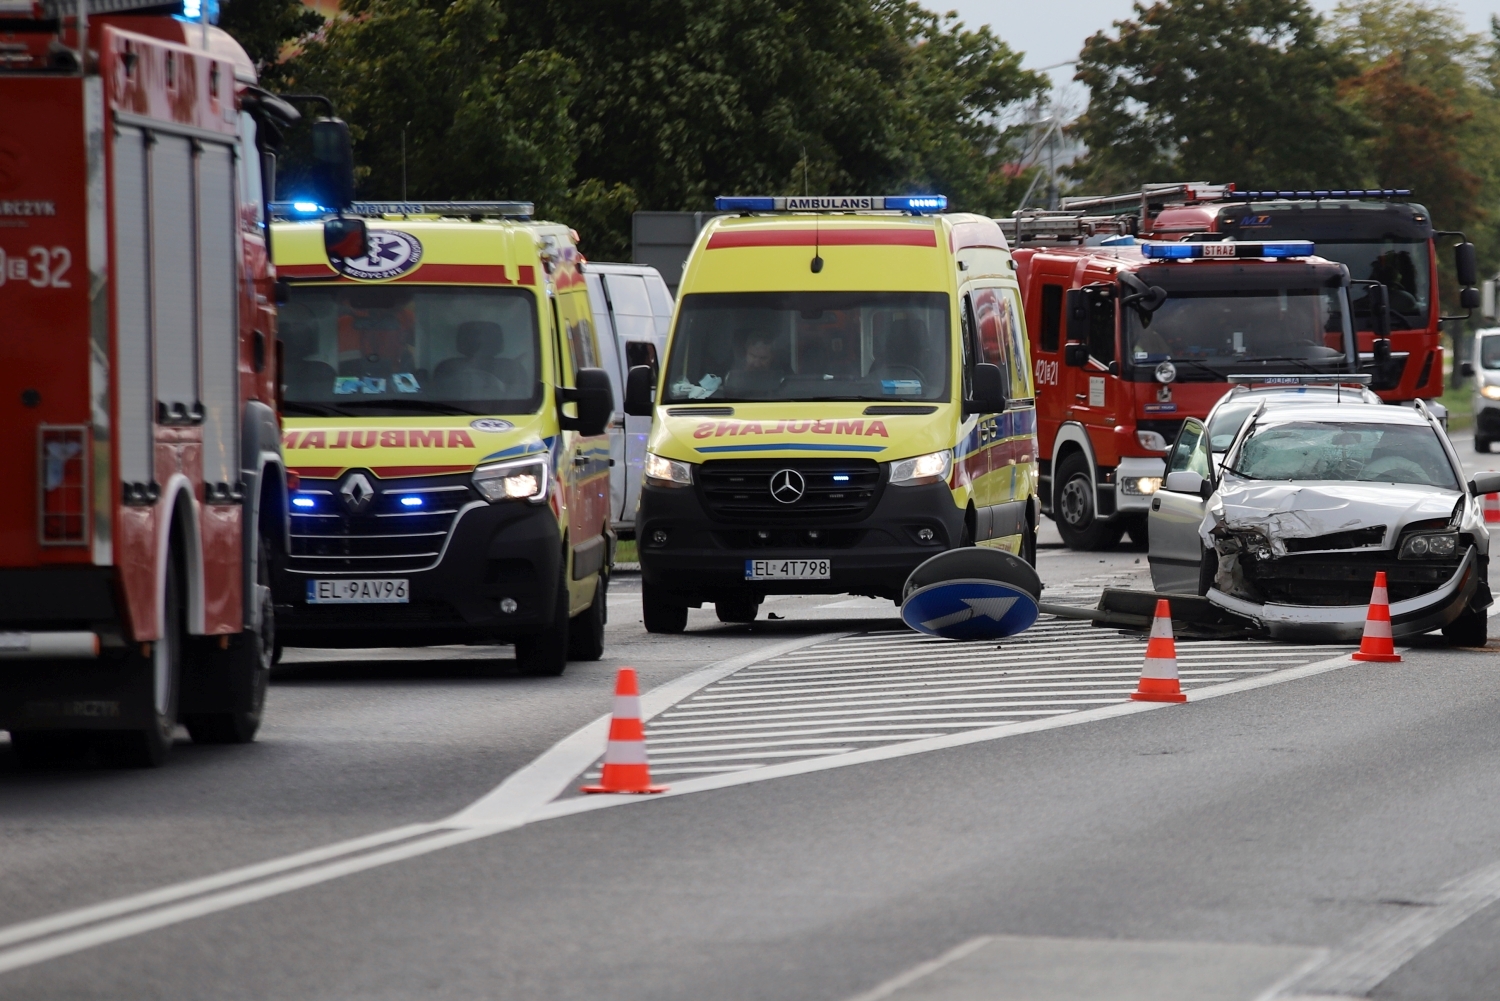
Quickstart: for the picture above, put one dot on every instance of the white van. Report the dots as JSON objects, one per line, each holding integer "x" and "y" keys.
{"x": 633, "y": 308}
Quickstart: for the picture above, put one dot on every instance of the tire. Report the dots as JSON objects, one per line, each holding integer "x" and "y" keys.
{"x": 738, "y": 611}
{"x": 586, "y": 633}
{"x": 1028, "y": 544}
{"x": 1472, "y": 628}
{"x": 147, "y": 748}
{"x": 1481, "y": 444}
{"x": 250, "y": 667}
{"x": 1208, "y": 569}
{"x": 1073, "y": 509}
{"x": 661, "y": 614}
{"x": 545, "y": 654}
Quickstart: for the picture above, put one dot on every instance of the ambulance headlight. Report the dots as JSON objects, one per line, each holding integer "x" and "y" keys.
{"x": 933, "y": 467}
{"x": 664, "y": 472}
{"x": 514, "y": 481}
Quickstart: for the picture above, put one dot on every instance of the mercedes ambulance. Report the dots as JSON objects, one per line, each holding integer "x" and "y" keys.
{"x": 846, "y": 393}
{"x": 445, "y": 421}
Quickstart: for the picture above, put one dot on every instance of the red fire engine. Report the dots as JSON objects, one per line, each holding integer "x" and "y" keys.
{"x": 1128, "y": 339}
{"x": 144, "y": 482}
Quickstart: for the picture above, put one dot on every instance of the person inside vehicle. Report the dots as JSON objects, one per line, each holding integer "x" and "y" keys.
{"x": 902, "y": 358}
{"x": 478, "y": 372}
{"x": 304, "y": 377}
{"x": 757, "y": 375}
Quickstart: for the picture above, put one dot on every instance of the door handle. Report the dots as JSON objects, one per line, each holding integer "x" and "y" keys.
{"x": 1080, "y": 396}
{"x": 580, "y": 460}
{"x": 1156, "y": 504}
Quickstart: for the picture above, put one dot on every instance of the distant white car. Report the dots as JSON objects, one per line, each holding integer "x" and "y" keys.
{"x": 1308, "y": 502}
{"x": 1485, "y": 371}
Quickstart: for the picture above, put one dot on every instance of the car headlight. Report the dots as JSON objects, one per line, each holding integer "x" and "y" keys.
{"x": 1428, "y": 546}
{"x": 514, "y": 481}
{"x": 1146, "y": 485}
{"x": 1490, "y": 392}
{"x": 933, "y": 467}
{"x": 1151, "y": 441}
{"x": 664, "y": 472}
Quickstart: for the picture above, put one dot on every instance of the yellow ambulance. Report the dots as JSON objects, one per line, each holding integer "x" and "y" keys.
{"x": 444, "y": 420}
{"x": 847, "y": 392}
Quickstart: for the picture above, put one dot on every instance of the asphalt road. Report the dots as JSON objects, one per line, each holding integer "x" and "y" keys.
{"x": 1209, "y": 850}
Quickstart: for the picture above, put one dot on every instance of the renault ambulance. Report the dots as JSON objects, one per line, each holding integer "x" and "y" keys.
{"x": 846, "y": 393}
{"x": 445, "y": 419}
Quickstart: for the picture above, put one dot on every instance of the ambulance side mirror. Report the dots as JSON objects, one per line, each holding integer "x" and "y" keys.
{"x": 989, "y": 390}
{"x": 596, "y": 402}
{"x": 345, "y": 238}
{"x": 640, "y": 383}
{"x": 332, "y": 174}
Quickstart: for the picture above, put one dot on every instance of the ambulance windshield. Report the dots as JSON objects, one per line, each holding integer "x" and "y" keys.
{"x": 389, "y": 350}
{"x": 748, "y": 346}
{"x": 1208, "y": 334}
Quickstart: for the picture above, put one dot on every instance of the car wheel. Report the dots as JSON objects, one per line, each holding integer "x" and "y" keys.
{"x": 737, "y": 610}
{"x": 545, "y": 654}
{"x": 250, "y": 664}
{"x": 1073, "y": 509}
{"x": 661, "y": 614}
{"x": 586, "y": 633}
{"x": 1481, "y": 444}
{"x": 1028, "y": 544}
{"x": 1472, "y": 628}
{"x": 1208, "y": 569}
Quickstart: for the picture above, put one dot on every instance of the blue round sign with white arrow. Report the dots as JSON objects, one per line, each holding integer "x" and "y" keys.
{"x": 969, "y": 609}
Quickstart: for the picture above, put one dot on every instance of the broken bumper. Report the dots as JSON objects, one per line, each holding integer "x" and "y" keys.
{"x": 1345, "y": 623}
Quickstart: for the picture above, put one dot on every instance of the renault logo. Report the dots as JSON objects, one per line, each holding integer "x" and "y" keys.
{"x": 357, "y": 492}
{"x": 788, "y": 486}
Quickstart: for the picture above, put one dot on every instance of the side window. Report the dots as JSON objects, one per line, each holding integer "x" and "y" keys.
{"x": 992, "y": 324}
{"x": 1052, "y": 301}
{"x": 1190, "y": 453}
{"x": 583, "y": 348}
{"x": 968, "y": 343}
{"x": 1102, "y": 328}
{"x": 1014, "y": 329}
{"x": 566, "y": 366}
{"x": 248, "y": 164}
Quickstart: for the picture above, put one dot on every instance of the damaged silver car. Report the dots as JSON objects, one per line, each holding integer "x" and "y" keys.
{"x": 1310, "y": 501}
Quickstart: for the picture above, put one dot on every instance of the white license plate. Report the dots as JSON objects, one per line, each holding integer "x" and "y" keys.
{"x": 357, "y": 591}
{"x": 788, "y": 570}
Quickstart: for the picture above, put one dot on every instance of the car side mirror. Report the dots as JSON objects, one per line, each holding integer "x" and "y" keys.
{"x": 1185, "y": 481}
{"x": 641, "y": 353}
{"x": 1485, "y": 483}
{"x": 989, "y": 390}
{"x": 1076, "y": 354}
{"x": 1464, "y": 264}
{"x": 1466, "y": 369}
{"x": 344, "y": 237}
{"x": 640, "y": 384}
{"x": 1077, "y": 327}
{"x": 596, "y": 402}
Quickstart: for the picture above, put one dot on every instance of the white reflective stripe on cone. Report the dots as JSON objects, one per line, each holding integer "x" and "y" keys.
{"x": 1379, "y": 629}
{"x": 625, "y": 752}
{"x": 1159, "y": 668}
{"x": 1161, "y": 628}
{"x": 627, "y": 707}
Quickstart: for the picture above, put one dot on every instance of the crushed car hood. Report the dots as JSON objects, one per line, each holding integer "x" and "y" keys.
{"x": 1283, "y": 510}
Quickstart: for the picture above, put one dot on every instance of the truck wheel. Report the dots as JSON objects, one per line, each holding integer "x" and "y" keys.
{"x": 1472, "y": 628}
{"x": 1074, "y": 508}
{"x": 661, "y": 614}
{"x": 545, "y": 654}
{"x": 736, "y": 610}
{"x": 147, "y": 748}
{"x": 586, "y": 633}
{"x": 250, "y": 664}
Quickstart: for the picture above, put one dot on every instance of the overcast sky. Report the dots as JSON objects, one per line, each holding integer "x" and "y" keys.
{"x": 1053, "y": 31}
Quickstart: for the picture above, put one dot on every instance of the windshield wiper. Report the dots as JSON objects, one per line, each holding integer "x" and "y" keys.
{"x": 1199, "y": 365}
{"x": 298, "y": 408}
{"x": 426, "y": 406}
{"x": 1299, "y": 361}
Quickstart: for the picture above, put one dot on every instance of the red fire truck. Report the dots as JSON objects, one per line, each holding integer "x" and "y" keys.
{"x": 1128, "y": 339}
{"x": 144, "y": 484}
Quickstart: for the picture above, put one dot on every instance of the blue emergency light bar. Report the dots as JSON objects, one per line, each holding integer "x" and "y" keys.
{"x": 1265, "y": 196}
{"x": 1227, "y": 249}
{"x": 915, "y": 204}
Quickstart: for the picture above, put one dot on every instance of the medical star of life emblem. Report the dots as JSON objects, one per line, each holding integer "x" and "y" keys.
{"x": 357, "y": 492}
{"x": 787, "y": 486}
{"x": 392, "y": 253}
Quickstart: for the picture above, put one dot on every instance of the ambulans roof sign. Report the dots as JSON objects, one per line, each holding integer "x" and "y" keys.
{"x": 392, "y": 254}
{"x": 915, "y": 204}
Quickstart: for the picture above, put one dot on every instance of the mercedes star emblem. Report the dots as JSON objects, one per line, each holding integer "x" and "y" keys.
{"x": 788, "y": 486}
{"x": 357, "y": 492}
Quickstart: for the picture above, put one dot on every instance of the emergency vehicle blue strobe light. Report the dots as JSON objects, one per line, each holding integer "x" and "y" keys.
{"x": 411, "y": 502}
{"x": 307, "y": 208}
{"x": 915, "y": 204}
{"x": 1227, "y": 249}
{"x": 841, "y": 477}
{"x": 304, "y": 502}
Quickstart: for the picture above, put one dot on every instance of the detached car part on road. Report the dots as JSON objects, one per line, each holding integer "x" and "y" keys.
{"x": 1310, "y": 501}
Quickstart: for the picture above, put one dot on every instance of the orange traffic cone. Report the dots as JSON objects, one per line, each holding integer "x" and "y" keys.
{"x": 1377, "y": 644}
{"x": 625, "y": 767}
{"x": 1159, "y": 672}
{"x": 1491, "y": 504}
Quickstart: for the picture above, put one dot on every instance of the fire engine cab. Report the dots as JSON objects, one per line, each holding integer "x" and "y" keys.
{"x": 1130, "y": 338}
{"x": 142, "y": 448}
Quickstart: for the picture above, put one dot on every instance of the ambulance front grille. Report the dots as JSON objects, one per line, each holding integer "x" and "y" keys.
{"x": 833, "y": 489}
{"x": 387, "y": 536}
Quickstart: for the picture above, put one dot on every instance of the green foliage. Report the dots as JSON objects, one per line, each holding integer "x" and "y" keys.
{"x": 595, "y": 110}
{"x": 1215, "y": 89}
{"x": 263, "y": 27}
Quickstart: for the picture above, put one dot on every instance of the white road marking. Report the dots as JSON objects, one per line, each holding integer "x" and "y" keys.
{"x": 911, "y": 976}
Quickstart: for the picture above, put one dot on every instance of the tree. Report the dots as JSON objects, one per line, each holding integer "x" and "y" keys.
{"x": 264, "y": 27}
{"x": 1219, "y": 90}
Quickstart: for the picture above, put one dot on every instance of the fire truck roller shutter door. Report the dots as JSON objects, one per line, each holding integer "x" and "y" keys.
{"x": 132, "y": 254}
{"x": 218, "y": 308}
{"x": 173, "y": 267}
